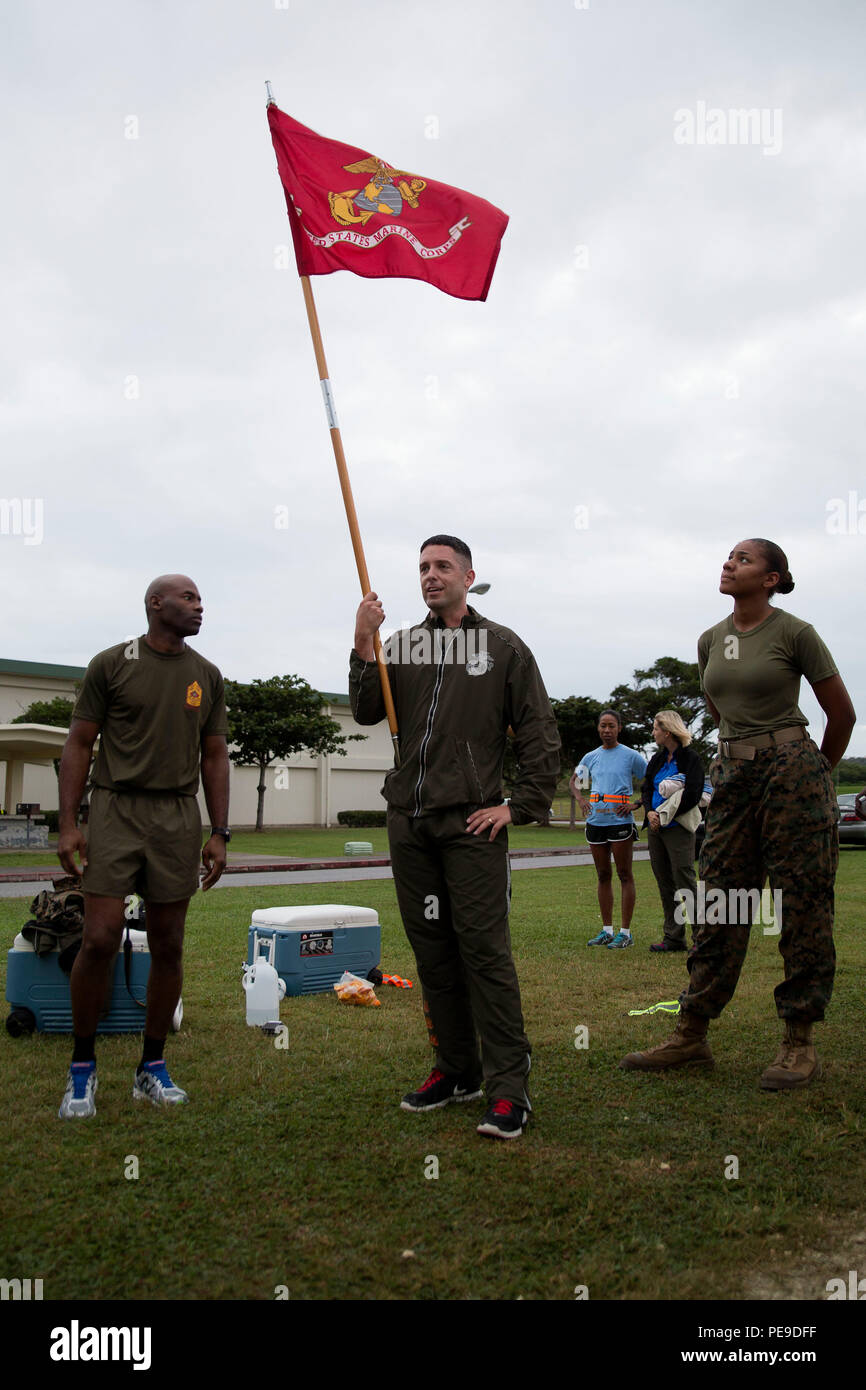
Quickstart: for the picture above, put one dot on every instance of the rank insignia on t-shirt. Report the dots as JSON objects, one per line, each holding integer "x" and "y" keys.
{"x": 193, "y": 695}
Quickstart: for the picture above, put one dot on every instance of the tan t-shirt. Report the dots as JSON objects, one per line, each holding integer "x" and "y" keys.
{"x": 153, "y": 710}
{"x": 753, "y": 678}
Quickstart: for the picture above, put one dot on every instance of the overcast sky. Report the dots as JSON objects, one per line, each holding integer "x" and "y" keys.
{"x": 673, "y": 340}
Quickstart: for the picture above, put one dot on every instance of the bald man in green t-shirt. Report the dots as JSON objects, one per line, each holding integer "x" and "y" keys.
{"x": 158, "y": 708}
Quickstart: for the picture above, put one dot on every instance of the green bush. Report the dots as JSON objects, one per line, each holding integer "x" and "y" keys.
{"x": 358, "y": 819}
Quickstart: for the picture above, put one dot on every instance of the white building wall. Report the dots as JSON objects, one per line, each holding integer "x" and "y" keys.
{"x": 19, "y": 692}
{"x": 40, "y": 786}
{"x": 357, "y": 791}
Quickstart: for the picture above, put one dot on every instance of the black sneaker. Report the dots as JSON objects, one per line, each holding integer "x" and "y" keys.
{"x": 504, "y": 1120}
{"x": 439, "y": 1090}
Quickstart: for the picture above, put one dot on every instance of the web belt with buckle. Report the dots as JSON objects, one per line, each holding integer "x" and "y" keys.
{"x": 733, "y": 748}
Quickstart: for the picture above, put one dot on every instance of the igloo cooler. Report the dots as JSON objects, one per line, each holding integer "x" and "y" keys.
{"x": 310, "y": 947}
{"x": 38, "y": 991}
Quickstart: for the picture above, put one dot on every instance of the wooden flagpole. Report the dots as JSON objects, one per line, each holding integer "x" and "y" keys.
{"x": 346, "y": 489}
{"x": 354, "y": 532}
{"x": 349, "y": 502}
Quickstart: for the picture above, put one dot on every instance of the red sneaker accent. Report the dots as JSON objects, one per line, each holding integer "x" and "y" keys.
{"x": 503, "y": 1107}
{"x": 434, "y": 1076}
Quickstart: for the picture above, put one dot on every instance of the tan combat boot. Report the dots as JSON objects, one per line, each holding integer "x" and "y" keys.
{"x": 687, "y": 1044}
{"x": 797, "y": 1063}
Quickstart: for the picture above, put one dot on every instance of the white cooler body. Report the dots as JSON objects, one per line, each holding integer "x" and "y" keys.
{"x": 310, "y": 947}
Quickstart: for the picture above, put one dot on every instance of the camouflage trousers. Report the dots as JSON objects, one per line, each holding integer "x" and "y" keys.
{"x": 773, "y": 817}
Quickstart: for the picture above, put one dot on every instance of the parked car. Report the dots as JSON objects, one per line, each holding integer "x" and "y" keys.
{"x": 852, "y": 830}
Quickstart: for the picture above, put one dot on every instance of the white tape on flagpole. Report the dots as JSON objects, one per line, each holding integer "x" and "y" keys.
{"x": 330, "y": 407}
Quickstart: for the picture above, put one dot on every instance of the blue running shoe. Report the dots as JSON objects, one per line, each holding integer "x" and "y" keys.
{"x": 620, "y": 941}
{"x": 153, "y": 1083}
{"x": 78, "y": 1102}
{"x": 604, "y": 938}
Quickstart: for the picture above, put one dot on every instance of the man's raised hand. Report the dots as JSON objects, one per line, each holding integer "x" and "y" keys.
{"x": 368, "y": 620}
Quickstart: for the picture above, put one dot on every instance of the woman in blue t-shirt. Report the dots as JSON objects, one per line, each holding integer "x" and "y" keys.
{"x": 611, "y": 770}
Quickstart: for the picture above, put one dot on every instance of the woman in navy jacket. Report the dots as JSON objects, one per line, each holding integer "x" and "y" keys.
{"x": 672, "y": 847}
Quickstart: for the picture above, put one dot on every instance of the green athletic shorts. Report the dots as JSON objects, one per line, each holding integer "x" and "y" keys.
{"x": 141, "y": 842}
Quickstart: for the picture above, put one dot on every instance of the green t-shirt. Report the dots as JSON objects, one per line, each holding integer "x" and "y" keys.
{"x": 153, "y": 710}
{"x": 753, "y": 678}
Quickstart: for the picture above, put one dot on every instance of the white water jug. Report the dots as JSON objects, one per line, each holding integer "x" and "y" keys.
{"x": 264, "y": 990}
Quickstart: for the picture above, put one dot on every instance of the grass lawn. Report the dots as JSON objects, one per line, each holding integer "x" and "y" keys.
{"x": 619, "y": 1183}
{"x": 328, "y": 844}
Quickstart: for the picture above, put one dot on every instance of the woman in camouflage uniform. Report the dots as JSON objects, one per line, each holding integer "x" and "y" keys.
{"x": 772, "y": 814}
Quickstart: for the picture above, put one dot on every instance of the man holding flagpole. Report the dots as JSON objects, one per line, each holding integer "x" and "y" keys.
{"x": 459, "y": 681}
{"x": 349, "y": 209}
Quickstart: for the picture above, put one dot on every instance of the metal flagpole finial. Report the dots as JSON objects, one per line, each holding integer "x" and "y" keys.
{"x": 271, "y": 101}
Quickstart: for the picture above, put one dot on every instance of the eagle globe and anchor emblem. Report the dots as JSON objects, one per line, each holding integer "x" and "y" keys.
{"x": 385, "y": 192}
{"x": 480, "y": 664}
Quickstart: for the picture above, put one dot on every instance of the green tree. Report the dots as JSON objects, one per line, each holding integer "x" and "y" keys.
{"x": 577, "y": 720}
{"x": 852, "y": 770}
{"x": 271, "y": 719}
{"x": 56, "y": 712}
{"x": 668, "y": 684}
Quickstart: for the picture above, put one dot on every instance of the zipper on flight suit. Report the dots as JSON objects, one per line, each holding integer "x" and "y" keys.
{"x": 431, "y": 714}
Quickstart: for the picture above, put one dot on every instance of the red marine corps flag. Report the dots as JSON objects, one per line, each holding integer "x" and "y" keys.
{"x": 349, "y": 210}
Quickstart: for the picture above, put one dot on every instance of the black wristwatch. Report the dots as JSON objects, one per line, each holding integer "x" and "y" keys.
{"x": 221, "y": 830}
